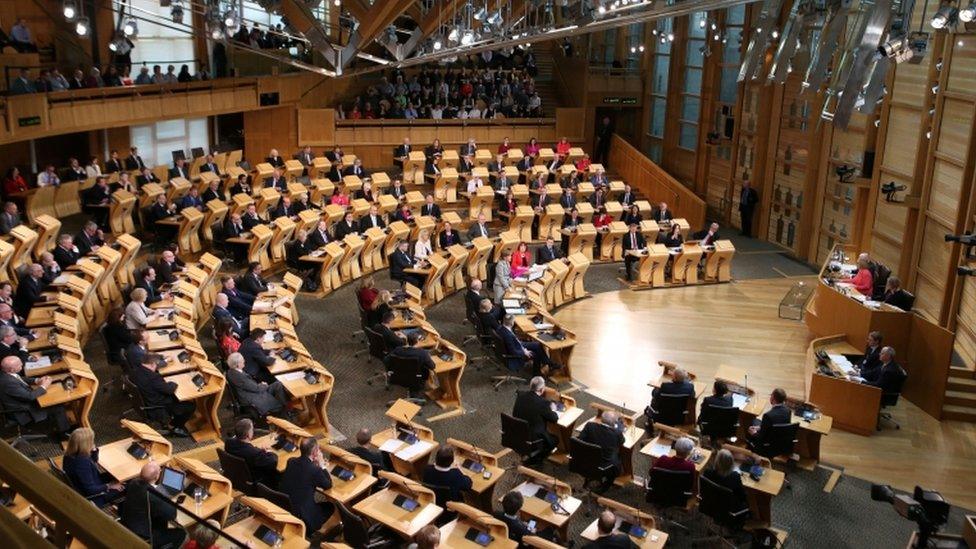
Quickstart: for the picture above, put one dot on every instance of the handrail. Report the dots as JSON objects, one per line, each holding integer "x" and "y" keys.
{"x": 400, "y": 122}
{"x": 69, "y": 511}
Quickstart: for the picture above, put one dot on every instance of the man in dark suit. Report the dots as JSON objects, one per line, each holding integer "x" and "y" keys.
{"x": 479, "y": 229}
{"x": 240, "y": 303}
{"x": 748, "y": 198}
{"x": 179, "y": 169}
{"x": 777, "y": 415}
{"x": 391, "y": 339}
{"x": 9, "y": 218}
{"x": 371, "y": 219}
{"x": 707, "y": 237}
{"x": 138, "y": 349}
{"x": 146, "y": 177}
{"x": 251, "y": 282}
{"x": 399, "y": 260}
{"x": 448, "y": 236}
{"x": 305, "y": 157}
{"x": 472, "y": 298}
{"x": 220, "y": 311}
{"x": 250, "y": 218}
{"x": 606, "y": 538}
{"x": 7, "y": 318}
{"x": 524, "y": 350}
{"x": 412, "y": 351}
{"x": 275, "y": 159}
{"x": 19, "y": 396}
{"x": 444, "y": 475}
{"x": 65, "y": 252}
{"x": 276, "y": 181}
{"x": 567, "y": 200}
{"x": 345, "y": 227}
{"x": 29, "y": 290}
{"x": 12, "y": 345}
{"x": 257, "y": 359}
{"x": 871, "y": 360}
{"x": 401, "y": 153}
{"x": 430, "y": 208}
{"x": 145, "y": 513}
{"x": 212, "y": 193}
{"x": 113, "y": 164}
{"x": 896, "y": 296}
{"x": 720, "y": 398}
{"x": 88, "y": 239}
{"x": 156, "y": 391}
{"x": 234, "y": 228}
{"x": 263, "y": 464}
{"x": 148, "y": 282}
{"x": 606, "y": 434}
{"x": 356, "y": 169}
{"x": 265, "y": 398}
{"x": 380, "y": 461}
{"x": 890, "y": 376}
{"x": 490, "y": 315}
{"x": 192, "y": 200}
{"x": 531, "y": 407}
{"x": 320, "y": 236}
{"x": 134, "y": 161}
{"x": 680, "y": 384}
{"x": 305, "y": 475}
{"x": 517, "y": 528}
{"x": 548, "y": 252}
{"x": 627, "y": 197}
{"x": 209, "y": 165}
{"x": 167, "y": 267}
{"x": 633, "y": 241}
{"x": 397, "y": 190}
{"x": 284, "y": 209}
{"x": 662, "y": 213}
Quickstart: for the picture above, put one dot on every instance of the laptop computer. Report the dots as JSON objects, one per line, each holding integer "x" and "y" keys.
{"x": 171, "y": 481}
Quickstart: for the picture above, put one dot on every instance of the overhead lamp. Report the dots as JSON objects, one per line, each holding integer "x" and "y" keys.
{"x": 714, "y": 26}
{"x": 467, "y": 38}
{"x": 454, "y": 35}
{"x": 438, "y": 43}
{"x": 654, "y": 32}
{"x": 130, "y": 28}
{"x": 176, "y": 13}
{"x": 120, "y": 45}
{"x": 216, "y": 33}
{"x": 81, "y": 26}
{"x": 702, "y": 23}
{"x": 337, "y": 3}
{"x": 968, "y": 13}
{"x": 670, "y": 37}
{"x": 640, "y": 48}
{"x": 633, "y": 49}
{"x": 602, "y": 9}
{"x": 496, "y": 19}
{"x": 943, "y": 17}
{"x": 775, "y": 34}
{"x": 70, "y": 9}
{"x": 481, "y": 14}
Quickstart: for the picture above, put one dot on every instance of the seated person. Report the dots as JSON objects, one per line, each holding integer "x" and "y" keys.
{"x": 250, "y": 217}
{"x": 234, "y": 228}
{"x": 213, "y": 192}
{"x": 490, "y": 315}
{"x": 517, "y": 528}
{"x": 117, "y": 336}
{"x": 345, "y": 227}
{"x": 412, "y": 350}
{"x": 371, "y": 219}
{"x": 429, "y": 537}
{"x": 356, "y": 169}
{"x": 777, "y": 415}
{"x": 80, "y": 464}
{"x": 707, "y": 237}
{"x": 445, "y": 478}
{"x": 228, "y": 340}
{"x": 203, "y": 535}
{"x": 863, "y": 281}
{"x": 240, "y": 303}
{"x": 472, "y": 297}
{"x": 89, "y": 239}
{"x": 422, "y": 249}
{"x": 276, "y": 181}
{"x": 304, "y": 476}
{"x": 192, "y": 200}
{"x": 29, "y": 290}
{"x": 51, "y": 268}
{"x": 284, "y": 209}
{"x": 606, "y": 538}
{"x": 262, "y": 463}
{"x": 138, "y": 349}
{"x": 320, "y": 236}
{"x": 221, "y": 312}
{"x": 251, "y": 281}
{"x": 19, "y": 396}
{"x": 723, "y": 473}
{"x": 391, "y": 338}
{"x": 65, "y": 253}
{"x": 521, "y": 261}
{"x": 430, "y": 208}
{"x": 145, "y": 513}
{"x": 147, "y": 282}
{"x": 448, "y": 237}
{"x": 662, "y": 213}
{"x": 720, "y": 397}
{"x": 167, "y": 267}
{"x": 379, "y": 460}
{"x": 257, "y": 359}
{"x": 633, "y": 241}
{"x": 894, "y": 295}
{"x": 673, "y": 238}
{"x": 871, "y": 359}
{"x": 263, "y": 397}
{"x": 530, "y": 350}
{"x": 399, "y": 262}
{"x": 606, "y": 434}
{"x": 683, "y": 448}
{"x": 533, "y": 408}
{"x": 12, "y": 345}
{"x": 156, "y": 391}
{"x": 889, "y": 376}
{"x": 548, "y": 252}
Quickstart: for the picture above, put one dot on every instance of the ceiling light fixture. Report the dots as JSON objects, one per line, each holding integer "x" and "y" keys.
{"x": 70, "y": 9}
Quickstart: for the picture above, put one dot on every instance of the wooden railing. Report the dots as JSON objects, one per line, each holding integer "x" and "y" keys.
{"x": 632, "y": 166}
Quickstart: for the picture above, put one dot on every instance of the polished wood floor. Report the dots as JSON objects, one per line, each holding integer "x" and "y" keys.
{"x": 621, "y": 334}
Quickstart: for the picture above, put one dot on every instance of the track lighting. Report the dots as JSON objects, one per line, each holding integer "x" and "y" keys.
{"x": 702, "y": 23}
{"x": 70, "y": 10}
{"x": 130, "y": 28}
{"x": 968, "y": 13}
{"x": 119, "y": 45}
{"x": 454, "y": 35}
{"x": 467, "y": 38}
{"x": 775, "y": 34}
{"x": 81, "y": 26}
{"x": 640, "y": 48}
{"x": 438, "y": 43}
{"x": 176, "y": 13}
{"x": 946, "y": 15}
{"x": 496, "y": 19}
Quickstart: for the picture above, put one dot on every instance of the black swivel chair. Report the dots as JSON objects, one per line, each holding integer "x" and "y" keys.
{"x": 891, "y": 399}
{"x": 242, "y": 410}
{"x": 778, "y": 444}
{"x": 406, "y": 372}
{"x": 586, "y": 460}
{"x": 482, "y": 336}
{"x": 719, "y": 423}
{"x": 718, "y": 503}
{"x": 502, "y": 356}
{"x": 671, "y": 490}
{"x": 278, "y": 498}
{"x": 670, "y": 409}
{"x": 516, "y": 437}
{"x": 59, "y": 474}
{"x": 19, "y": 439}
{"x": 363, "y": 325}
{"x": 114, "y": 358}
{"x": 238, "y": 473}
{"x": 153, "y": 415}
{"x": 357, "y": 533}
{"x": 377, "y": 349}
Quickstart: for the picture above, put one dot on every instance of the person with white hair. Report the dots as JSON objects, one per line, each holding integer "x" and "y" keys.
{"x": 680, "y": 461}
{"x": 533, "y": 408}
{"x": 263, "y": 397}
{"x": 606, "y": 433}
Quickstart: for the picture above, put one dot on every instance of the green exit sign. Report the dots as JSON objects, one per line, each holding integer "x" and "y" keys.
{"x": 620, "y": 100}
{"x": 29, "y": 121}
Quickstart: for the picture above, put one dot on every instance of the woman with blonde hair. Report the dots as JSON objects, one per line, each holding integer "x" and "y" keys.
{"x": 379, "y": 307}
{"x": 724, "y": 474}
{"x": 422, "y": 249}
{"x": 137, "y": 315}
{"x": 80, "y": 465}
{"x": 367, "y": 292}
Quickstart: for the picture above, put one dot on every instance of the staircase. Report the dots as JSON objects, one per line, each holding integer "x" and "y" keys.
{"x": 543, "y": 81}
{"x": 960, "y": 396}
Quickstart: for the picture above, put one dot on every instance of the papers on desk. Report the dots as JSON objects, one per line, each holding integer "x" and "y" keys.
{"x": 841, "y": 362}
{"x": 317, "y": 253}
{"x": 407, "y": 453}
{"x": 41, "y": 362}
{"x": 291, "y": 376}
{"x": 61, "y": 279}
{"x": 543, "y": 326}
{"x": 511, "y": 303}
{"x": 739, "y": 401}
{"x": 860, "y": 297}
{"x": 269, "y": 337}
{"x": 391, "y": 445}
{"x": 658, "y": 449}
{"x": 528, "y": 489}
{"x": 872, "y": 304}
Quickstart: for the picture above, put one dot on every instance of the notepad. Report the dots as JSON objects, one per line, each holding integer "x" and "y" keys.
{"x": 414, "y": 450}
{"x": 739, "y": 401}
{"x": 658, "y": 449}
{"x": 543, "y": 326}
{"x": 528, "y": 489}
{"x": 291, "y": 376}
{"x": 62, "y": 279}
{"x": 41, "y": 362}
{"x": 511, "y": 303}
{"x": 391, "y": 445}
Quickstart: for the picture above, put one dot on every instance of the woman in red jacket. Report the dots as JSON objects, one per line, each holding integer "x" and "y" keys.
{"x": 521, "y": 260}
{"x": 14, "y": 182}
{"x": 863, "y": 281}
{"x": 226, "y": 339}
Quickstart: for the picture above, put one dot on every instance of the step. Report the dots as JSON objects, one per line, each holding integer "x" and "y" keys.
{"x": 961, "y": 384}
{"x": 959, "y": 413}
{"x": 961, "y": 372}
{"x": 960, "y": 398}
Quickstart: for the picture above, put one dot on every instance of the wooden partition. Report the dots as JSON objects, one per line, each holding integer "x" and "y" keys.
{"x": 653, "y": 182}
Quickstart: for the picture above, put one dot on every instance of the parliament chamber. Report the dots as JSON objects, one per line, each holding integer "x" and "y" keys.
{"x": 461, "y": 274}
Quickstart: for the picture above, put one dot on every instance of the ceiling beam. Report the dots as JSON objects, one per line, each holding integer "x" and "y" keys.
{"x": 357, "y": 8}
{"x": 380, "y": 16}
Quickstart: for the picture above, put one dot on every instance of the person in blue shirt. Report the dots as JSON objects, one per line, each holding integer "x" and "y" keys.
{"x": 80, "y": 464}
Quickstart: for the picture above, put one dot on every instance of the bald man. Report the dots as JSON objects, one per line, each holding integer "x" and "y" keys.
{"x": 19, "y": 396}
{"x": 145, "y": 514}
{"x": 606, "y": 538}
{"x": 607, "y": 433}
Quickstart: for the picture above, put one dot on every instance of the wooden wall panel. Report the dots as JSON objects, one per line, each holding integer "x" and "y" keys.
{"x": 945, "y": 191}
{"x": 901, "y": 141}
{"x": 316, "y": 127}
{"x": 957, "y": 121}
{"x": 965, "y": 345}
{"x": 910, "y": 84}
{"x": 268, "y": 129}
{"x": 571, "y": 123}
{"x": 886, "y": 251}
{"x": 928, "y": 298}
{"x": 962, "y": 73}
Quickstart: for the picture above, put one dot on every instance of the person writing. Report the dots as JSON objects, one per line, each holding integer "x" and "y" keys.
{"x": 863, "y": 281}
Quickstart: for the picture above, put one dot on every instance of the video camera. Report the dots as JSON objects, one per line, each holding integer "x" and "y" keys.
{"x": 927, "y": 508}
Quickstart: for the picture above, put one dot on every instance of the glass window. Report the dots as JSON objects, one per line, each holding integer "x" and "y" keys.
{"x": 729, "y": 86}
{"x": 696, "y": 24}
{"x": 170, "y": 43}
{"x": 661, "y": 65}
{"x": 730, "y": 50}
{"x": 693, "y": 80}
{"x": 654, "y": 151}
{"x": 690, "y": 108}
{"x": 658, "y": 107}
{"x": 688, "y": 138}
{"x": 736, "y": 15}
{"x": 158, "y": 141}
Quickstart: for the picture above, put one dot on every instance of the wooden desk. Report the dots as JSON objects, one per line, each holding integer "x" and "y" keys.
{"x": 718, "y": 261}
{"x": 328, "y": 256}
{"x": 853, "y": 406}
{"x": 116, "y": 461}
{"x": 315, "y": 397}
{"x": 559, "y": 350}
{"x": 564, "y": 427}
{"x": 469, "y": 458}
{"x": 453, "y": 534}
{"x": 666, "y": 439}
{"x": 573, "y": 286}
{"x": 652, "y": 266}
{"x": 347, "y": 491}
{"x": 410, "y": 465}
{"x": 204, "y": 424}
{"x": 808, "y": 435}
{"x": 632, "y": 436}
{"x": 684, "y": 269}
{"x": 379, "y": 507}
{"x": 481, "y": 203}
{"x": 286, "y": 430}
{"x": 521, "y": 222}
{"x": 448, "y": 372}
{"x": 654, "y": 539}
{"x": 758, "y": 493}
{"x": 220, "y": 493}
{"x": 541, "y": 510}
{"x": 480, "y": 250}
{"x": 78, "y": 401}
{"x": 581, "y": 240}
{"x": 610, "y": 244}
{"x": 265, "y": 513}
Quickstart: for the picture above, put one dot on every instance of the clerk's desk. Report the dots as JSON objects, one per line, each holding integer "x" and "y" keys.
{"x": 653, "y": 539}
{"x": 853, "y": 405}
{"x": 534, "y": 488}
{"x": 380, "y": 507}
{"x": 456, "y": 532}
{"x": 632, "y": 435}
{"x": 265, "y": 513}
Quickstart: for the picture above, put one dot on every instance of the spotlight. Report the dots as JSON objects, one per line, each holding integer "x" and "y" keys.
{"x": 216, "y": 33}
{"x": 496, "y": 19}
{"x": 633, "y": 49}
{"x": 714, "y": 26}
{"x": 120, "y": 45}
{"x": 890, "y": 188}
{"x": 232, "y": 21}
{"x": 702, "y": 23}
{"x": 481, "y": 14}
{"x": 641, "y": 48}
{"x": 670, "y": 37}
{"x": 81, "y": 27}
{"x": 70, "y": 10}
{"x": 935, "y": 89}
{"x": 337, "y": 3}
{"x": 775, "y": 34}
{"x": 716, "y": 37}
{"x": 130, "y": 28}
{"x": 946, "y": 15}
{"x": 467, "y": 38}
{"x": 968, "y": 13}
{"x": 177, "y": 13}
{"x": 454, "y": 35}
{"x": 438, "y": 43}
{"x": 602, "y": 9}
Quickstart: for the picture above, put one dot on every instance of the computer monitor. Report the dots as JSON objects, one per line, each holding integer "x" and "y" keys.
{"x": 172, "y": 479}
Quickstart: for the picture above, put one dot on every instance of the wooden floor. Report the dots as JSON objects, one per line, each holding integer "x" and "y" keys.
{"x": 621, "y": 334}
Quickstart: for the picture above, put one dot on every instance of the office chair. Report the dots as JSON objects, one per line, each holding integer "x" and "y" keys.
{"x": 151, "y": 414}
{"x": 114, "y": 358}
{"x": 718, "y": 503}
{"x": 377, "y": 349}
{"x": 241, "y": 410}
{"x": 470, "y": 315}
{"x": 670, "y": 409}
{"x": 778, "y": 445}
{"x": 719, "y": 423}
{"x": 59, "y": 474}
{"x": 363, "y": 324}
{"x": 668, "y": 490}
{"x": 891, "y": 399}
{"x": 278, "y": 498}
{"x": 356, "y": 532}
{"x": 238, "y": 473}
{"x": 483, "y": 336}
{"x": 19, "y": 438}
{"x": 405, "y": 372}
{"x": 516, "y": 437}
{"x": 502, "y": 356}
{"x": 586, "y": 460}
